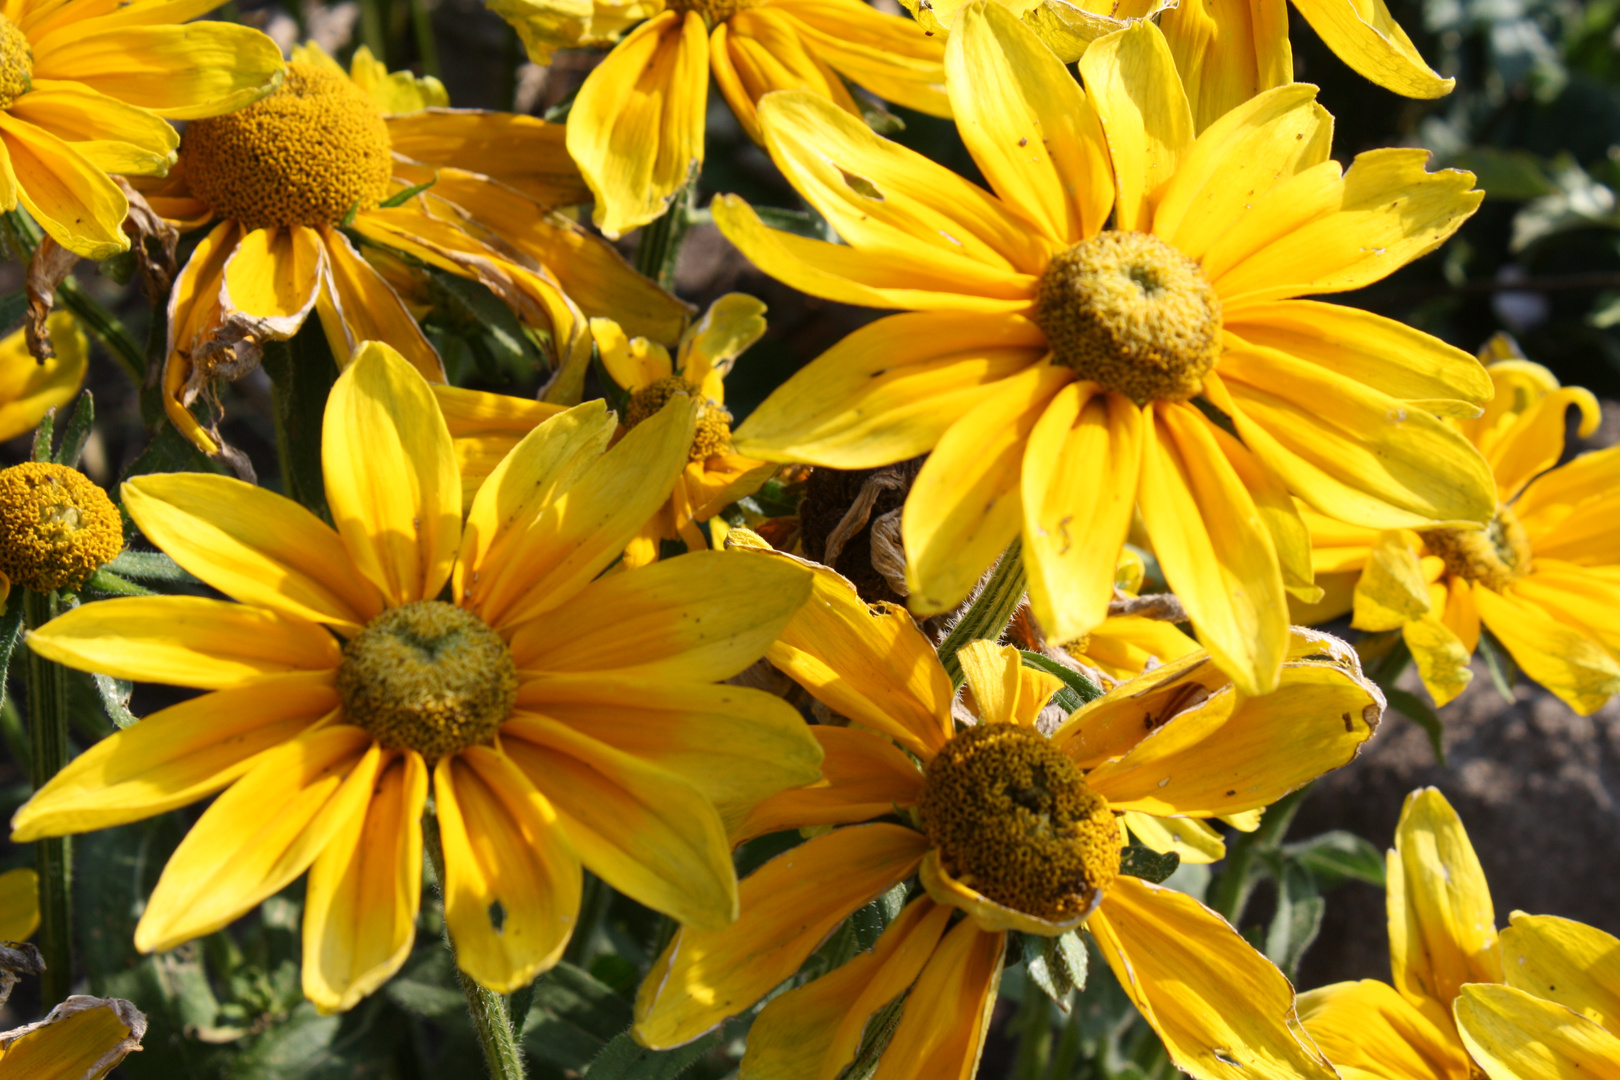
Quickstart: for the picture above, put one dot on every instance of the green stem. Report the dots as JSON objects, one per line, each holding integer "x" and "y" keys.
{"x": 1034, "y": 1024}
{"x": 990, "y": 611}
{"x": 490, "y": 1019}
{"x": 48, "y": 752}
{"x": 422, "y": 27}
{"x": 107, "y": 328}
{"x": 659, "y": 247}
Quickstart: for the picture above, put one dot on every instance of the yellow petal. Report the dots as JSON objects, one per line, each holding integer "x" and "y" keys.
{"x": 1111, "y": 725}
{"x": 254, "y": 546}
{"x": 1582, "y": 598}
{"x": 82, "y": 1039}
{"x": 812, "y": 1032}
{"x": 1534, "y": 442}
{"x": 1190, "y": 838}
{"x": 634, "y": 364}
{"x": 965, "y": 506}
{"x": 788, "y": 906}
{"x": 523, "y": 153}
{"x": 1079, "y": 484}
{"x": 1131, "y": 78}
{"x": 735, "y": 744}
{"x": 759, "y": 51}
{"x": 29, "y": 389}
{"x": 485, "y": 427}
{"x": 882, "y": 52}
{"x": 636, "y": 128}
{"x": 391, "y": 475}
{"x": 1368, "y": 1026}
{"x": 274, "y": 278}
{"x": 1576, "y": 965}
{"x": 260, "y": 834}
{"x": 702, "y": 617}
{"x": 709, "y": 349}
{"x": 1364, "y": 35}
{"x": 1123, "y": 645}
{"x": 364, "y": 891}
{"x": 1515, "y": 1036}
{"x": 367, "y": 309}
{"x": 1216, "y": 552}
{"x": 19, "y": 904}
{"x": 64, "y": 191}
{"x": 1228, "y": 53}
{"x": 175, "y": 756}
{"x": 947, "y": 1014}
{"x": 1574, "y": 667}
{"x": 1440, "y": 656}
{"x": 115, "y": 137}
{"x": 181, "y": 72}
{"x": 184, "y": 641}
{"x": 1567, "y": 512}
{"x": 1392, "y": 589}
{"x": 1004, "y": 690}
{"x": 988, "y": 914}
{"x": 641, "y": 829}
{"x": 511, "y": 882}
{"x": 1442, "y": 927}
{"x": 1027, "y": 123}
{"x": 1223, "y": 1010}
{"x": 862, "y": 777}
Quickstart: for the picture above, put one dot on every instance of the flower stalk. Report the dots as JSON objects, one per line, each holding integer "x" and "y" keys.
{"x": 48, "y": 752}
{"x": 990, "y": 612}
{"x": 659, "y": 248}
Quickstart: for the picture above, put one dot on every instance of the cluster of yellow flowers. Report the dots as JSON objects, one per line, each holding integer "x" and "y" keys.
{"x": 471, "y": 647}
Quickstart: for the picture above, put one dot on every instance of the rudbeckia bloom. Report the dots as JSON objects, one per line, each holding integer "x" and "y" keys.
{"x": 1066, "y": 375}
{"x": 29, "y": 389}
{"x": 637, "y": 125}
{"x": 1544, "y": 576}
{"x": 1010, "y": 830}
{"x": 561, "y": 719}
{"x": 87, "y": 88}
{"x": 289, "y": 179}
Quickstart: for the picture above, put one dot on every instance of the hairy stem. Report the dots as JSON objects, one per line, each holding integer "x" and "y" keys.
{"x": 659, "y": 247}
{"x": 48, "y": 751}
{"x": 990, "y": 611}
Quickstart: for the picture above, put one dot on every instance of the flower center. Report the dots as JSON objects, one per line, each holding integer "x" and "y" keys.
{"x": 428, "y": 677}
{"x": 1495, "y": 556}
{"x": 713, "y": 435}
{"x": 56, "y": 527}
{"x": 1133, "y": 314}
{"x": 16, "y": 63}
{"x": 714, "y": 12}
{"x": 1013, "y": 818}
{"x": 306, "y": 155}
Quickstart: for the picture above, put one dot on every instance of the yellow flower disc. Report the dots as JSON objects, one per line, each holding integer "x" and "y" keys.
{"x": 428, "y": 677}
{"x": 713, "y": 435}
{"x": 1133, "y": 314}
{"x": 56, "y": 527}
{"x": 305, "y": 155}
{"x": 16, "y": 63}
{"x": 1495, "y": 556}
{"x": 1012, "y": 817}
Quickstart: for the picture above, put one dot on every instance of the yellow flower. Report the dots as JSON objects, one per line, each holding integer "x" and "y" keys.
{"x": 87, "y": 89}
{"x": 1445, "y": 958}
{"x": 30, "y": 389}
{"x": 637, "y": 125}
{"x": 83, "y": 1038}
{"x": 289, "y": 178}
{"x": 56, "y": 527}
{"x": 563, "y": 719}
{"x": 905, "y": 794}
{"x": 1544, "y": 576}
{"x": 1066, "y": 375}
{"x": 1124, "y": 646}
{"x": 19, "y": 904}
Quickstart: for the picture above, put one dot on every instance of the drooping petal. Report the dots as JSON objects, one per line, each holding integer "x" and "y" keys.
{"x": 890, "y": 390}
{"x": 862, "y": 777}
{"x": 1366, "y": 36}
{"x": 942, "y": 1028}
{"x": 523, "y": 153}
{"x": 965, "y": 506}
{"x": 788, "y": 906}
{"x": 1515, "y": 1036}
{"x": 758, "y": 51}
{"x": 260, "y": 834}
{"x": 1534, "y": 442}
{"x": 1223, "y": 1010}
{"x": 642, "y": 829}
{"x": 29, "y": 389}
{"x": 114, "y": 136}
{"x": 80, "y": 1039}
{"x": 193, "y": 314}
{"x": 1442, "y": 926}
{"x": 272, "y": 280}
{"x": 391, "y": 477}
{"x": 511, "y": 882}
{"x": 364, "y": 308}
{"x": 884, "y": 53}
{"x": 175, "y": 756}
{"x": 184, "y": 641}
{"x": 364, "y": 891}
{"x": 1562, "y": 960}
{"x": 1228, "y": 53}
{"x": 1568, "y": 512}
{"x": 67, "y": 193}
{"x": 1190, "y": 838}
{"x": 1393, "y": 588}
{"x": 254, "y": 546}
{"x": 1368, "y": 1026}
{"x": 1579, "y": 670}
{"x": 1438, "y": 653}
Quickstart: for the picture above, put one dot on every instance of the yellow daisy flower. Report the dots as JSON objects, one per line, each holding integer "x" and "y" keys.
{"x": 906, "y": 794}
{"x": 563, "y": 720}
{"x": 87, "y": 88}
{"x": 637, "y": 125}
{"x": 1544, "y": 576}
{"x": 1066, "y": 375}
{"x": 29, "y": 389}
{"x": 287, "y": 179}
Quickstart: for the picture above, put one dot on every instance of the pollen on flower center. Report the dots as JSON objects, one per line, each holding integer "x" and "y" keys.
{"x": 427, "y": 676}
{"x": 16, "y": 63}
{"x": 714, "y": 12}
{"x": 56, "y": 527}
{"x": 1495, "y": 556}
{"x": 1133, "y": 314}
{"x": 306, "y": 155}
{"x": 713, "y": 435}
{"x": 1012, "y": 817}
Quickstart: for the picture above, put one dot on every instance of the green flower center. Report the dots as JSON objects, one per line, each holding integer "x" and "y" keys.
{"x": 56, "y": 527}
{"x": 1495, "y": 556}
{"x": 1012, "y": 817}
{"x": 1131, "y": 313}
{"x": 429, "y": 677}
{"x": 16, "y": 63}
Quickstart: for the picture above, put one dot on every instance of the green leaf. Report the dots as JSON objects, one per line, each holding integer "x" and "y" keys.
{"x": 572, "y": 1017}
{"x": 1338, "y": 856}
{"x": 44, "y": 434}
{"x": 1147, "y": 864}
{"x": 115, "y": 698}
{"x": 466, "y": 310}
{"x": 1077, "y": 689}
{"x": 1057, "y": 965}
{"x": 10, "y": 632}
{"x": 1422, "y": 714}
{"x": 13, "y": 306}
{"x": 78, "y": 431}
{"x": 150, "y": 566}
{"x": 403, "y": 197}
{"x": 1509, "y": 175}
{"x": 625, "y": 1059}
{"x": 1297, "y": 921}
{"x": 1504, "y": 672}
{"x": 169, "y": 451}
